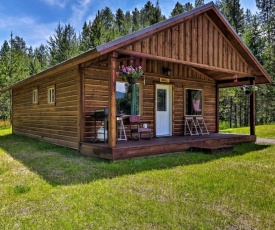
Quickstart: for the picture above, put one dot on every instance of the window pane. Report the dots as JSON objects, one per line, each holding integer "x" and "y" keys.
{"x": 35, "y": 96}
{"x": 161, "y": 96}
{"x": 128, "y": 98}
{"x": 51, "y": 95}
{"x": 193, "y": 102}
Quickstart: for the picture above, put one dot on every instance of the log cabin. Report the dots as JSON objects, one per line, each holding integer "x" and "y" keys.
{"x": 185, "y": 58}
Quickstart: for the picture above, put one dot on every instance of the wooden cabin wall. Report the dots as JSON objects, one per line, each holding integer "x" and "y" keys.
{"x": 182, "y": 77}
{"x": 56, "y": 123}
{"x": 95, "y": 98}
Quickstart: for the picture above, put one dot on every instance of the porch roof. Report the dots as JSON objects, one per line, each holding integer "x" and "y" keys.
{"x": 222, "y": 76}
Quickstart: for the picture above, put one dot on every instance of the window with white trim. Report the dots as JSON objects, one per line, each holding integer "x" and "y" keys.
{"x": 35, "y": 96}
{"x": 51, "y": 95}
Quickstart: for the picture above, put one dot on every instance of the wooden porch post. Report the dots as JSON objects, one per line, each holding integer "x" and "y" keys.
{"x": 217, "y": 108}
{"x": 252, "y": 109}
{"x": 81, "y": 115}
{"x": 112, "y": 101}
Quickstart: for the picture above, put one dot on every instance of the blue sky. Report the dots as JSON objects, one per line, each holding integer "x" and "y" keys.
{"x": 36, "y": 20}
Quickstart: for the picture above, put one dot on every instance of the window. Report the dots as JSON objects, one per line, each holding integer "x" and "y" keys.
{"x": 193, "y": 102}
{"x": 51, "y": 95}
{"x": 35, "y": 96}
{"x": 161, "y": 102}
{"x": 128, "y": 98}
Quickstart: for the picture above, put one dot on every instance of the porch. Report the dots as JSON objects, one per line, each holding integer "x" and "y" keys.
{"x": 160, "y": 145}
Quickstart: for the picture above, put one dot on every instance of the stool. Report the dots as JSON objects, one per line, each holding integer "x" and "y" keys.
{"x": 121, "y": 134}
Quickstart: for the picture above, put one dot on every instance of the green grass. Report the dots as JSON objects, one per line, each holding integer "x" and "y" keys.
{"x": 262, "y": 131}
{"x": 43, "y": 186}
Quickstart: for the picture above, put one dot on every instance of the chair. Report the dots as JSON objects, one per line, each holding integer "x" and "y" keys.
{"x": 121, "y": 134}
{"x": 196, "y": 106}
{"x": 201, "y": 126}
{"x": 136, "y": 126}
{"x": 189, "y": 127}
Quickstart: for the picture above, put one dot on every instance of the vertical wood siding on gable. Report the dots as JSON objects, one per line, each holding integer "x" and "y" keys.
{"x": 195, "y": 40}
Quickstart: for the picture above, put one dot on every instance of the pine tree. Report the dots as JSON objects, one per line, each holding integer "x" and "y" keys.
{"x": 102, "y": 29}
{"x": 120, "y": 21}
{"x": 5, "y": 64}
{"x": 86, "y": 37}
{"x": 199, "y": 3}
{"x": 234, "y": 14}
{"x": 150, "y": 14}
{"x": 14, "y": 66}
{"x": 19, "y": 60}
{"x": 136, "y": 20}
{"x": 127, "y": 23}
{"x": 178, "y": 9}
{"x": 34, "y": 66}
{"x": 252, "y": 36}
{"x": 63, "y": 45}
{"x": 188, "y": 6}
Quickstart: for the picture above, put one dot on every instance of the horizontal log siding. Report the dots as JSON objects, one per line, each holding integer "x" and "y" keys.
{"x": 55, "y": 123}
{"x": 195, "y": 40}
{"x": 96, "y": 95}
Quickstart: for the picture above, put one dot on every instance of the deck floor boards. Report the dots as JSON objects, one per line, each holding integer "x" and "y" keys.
{"x": 160, "y": 145}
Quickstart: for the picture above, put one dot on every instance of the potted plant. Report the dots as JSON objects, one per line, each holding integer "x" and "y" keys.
{"x": 248, "y": 89}
{"x": 130, "y": 73}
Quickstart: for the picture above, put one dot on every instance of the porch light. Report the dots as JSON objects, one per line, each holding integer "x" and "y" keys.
{"x": 166, "y": 71}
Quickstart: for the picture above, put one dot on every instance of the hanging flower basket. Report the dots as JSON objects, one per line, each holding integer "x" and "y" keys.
{"x": 130, "y": 73}
{"x": 248, "y": 89}
{"x": 132, "y": 80}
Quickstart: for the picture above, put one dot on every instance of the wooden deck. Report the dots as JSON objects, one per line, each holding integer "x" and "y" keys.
{"x": 160, "y": 145}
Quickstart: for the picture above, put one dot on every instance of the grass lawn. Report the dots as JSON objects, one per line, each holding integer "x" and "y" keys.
{"x": 43, "y": 186}
{"x": 262, "y": 131}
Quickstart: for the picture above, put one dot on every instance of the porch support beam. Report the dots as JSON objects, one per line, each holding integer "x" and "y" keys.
{"x": 112, "y": 101}
{"x": 244, "y": 79}
{"x": 173, "y": 60}
{"x": 252, "y": 109}
{"x": 217, "y": 108}
{"x": 81, "y": 115}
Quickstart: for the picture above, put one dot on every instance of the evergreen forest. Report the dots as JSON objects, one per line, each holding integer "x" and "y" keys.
{"x": 19, "y": 61}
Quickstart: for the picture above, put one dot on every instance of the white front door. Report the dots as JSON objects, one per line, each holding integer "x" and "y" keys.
{"x": 163, "y": 110}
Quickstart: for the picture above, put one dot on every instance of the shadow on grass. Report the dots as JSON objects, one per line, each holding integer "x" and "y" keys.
{"x": 63, "y": 166}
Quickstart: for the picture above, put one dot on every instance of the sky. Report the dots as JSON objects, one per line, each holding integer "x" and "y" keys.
{"x": 36, "y": 20}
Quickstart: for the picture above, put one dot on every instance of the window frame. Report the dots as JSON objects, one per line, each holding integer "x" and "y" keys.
{"x": 201, "y": 103}
{"x": 140, "y": 98}
{"x": 35, "y": 99}
{"x": 51, "y": 95}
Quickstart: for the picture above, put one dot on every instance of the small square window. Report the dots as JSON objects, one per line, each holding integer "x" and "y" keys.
{"x": 35, "y": 96}
{"x": 51, "y": 95}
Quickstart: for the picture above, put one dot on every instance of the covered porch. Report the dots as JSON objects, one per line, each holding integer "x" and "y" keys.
{"x": 161, "y": 145}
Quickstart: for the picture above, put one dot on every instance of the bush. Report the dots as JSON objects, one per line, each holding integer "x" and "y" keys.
{"x": 224, "y": 125}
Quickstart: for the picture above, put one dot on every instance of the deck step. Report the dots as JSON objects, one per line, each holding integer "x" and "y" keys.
{"x": 212, "y": 148}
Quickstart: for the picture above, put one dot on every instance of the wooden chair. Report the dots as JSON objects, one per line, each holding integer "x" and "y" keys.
{"x": 136, "y": 126}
